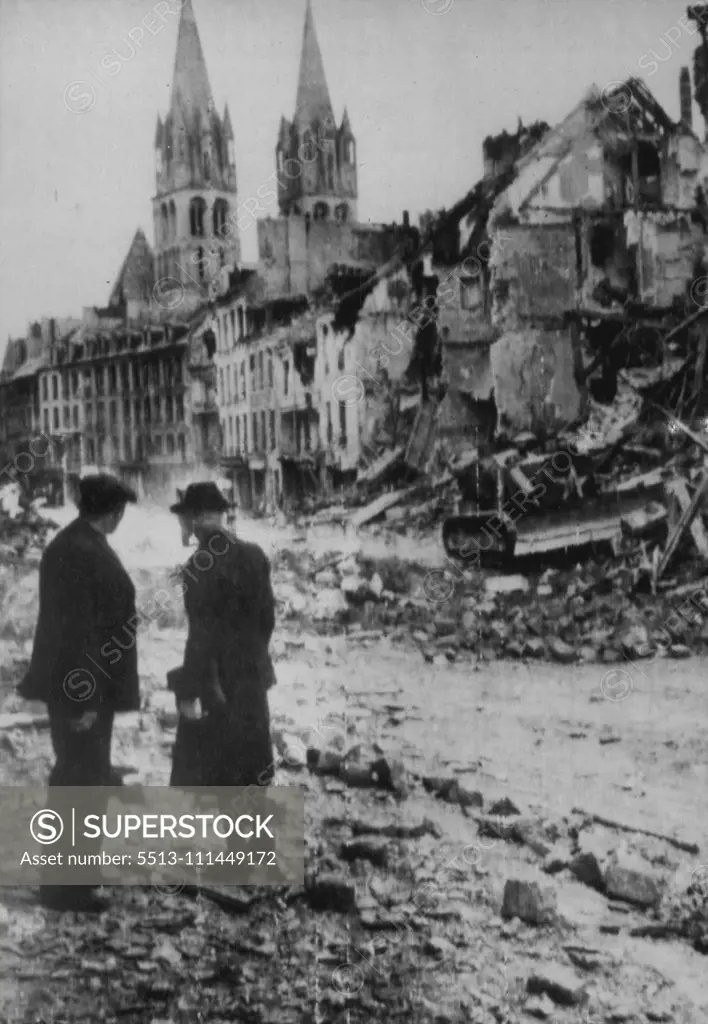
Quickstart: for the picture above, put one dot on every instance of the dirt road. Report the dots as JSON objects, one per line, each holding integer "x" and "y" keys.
{"x": 530, "y": 733}
{"x": 629, "y": 746}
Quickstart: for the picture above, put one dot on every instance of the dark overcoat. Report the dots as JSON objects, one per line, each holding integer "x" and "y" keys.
{"x": 227, "y": 665}
{"x": 85, "y": 652}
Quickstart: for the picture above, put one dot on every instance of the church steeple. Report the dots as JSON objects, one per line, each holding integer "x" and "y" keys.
{"x": 316, "y": 161}
{"x": 195, "y": 173}
{"x": 190, "y": 81}
{"x": 313, "y": 104}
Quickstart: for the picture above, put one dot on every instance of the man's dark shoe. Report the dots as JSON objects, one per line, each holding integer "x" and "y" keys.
{"x": 72, "y": 898}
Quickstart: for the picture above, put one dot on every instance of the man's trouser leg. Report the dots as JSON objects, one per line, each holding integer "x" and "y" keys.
{"x": 82, "y": 759}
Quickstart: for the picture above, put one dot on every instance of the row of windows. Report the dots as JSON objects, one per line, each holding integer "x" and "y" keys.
{"x": 231, "y": 327}
{"x": 146, "y": 410}
{"x": 171, "y": 445}
{"x": 232, "y": 379}
{"x": 106, "y": 379}
{"x": 263, "y": 432}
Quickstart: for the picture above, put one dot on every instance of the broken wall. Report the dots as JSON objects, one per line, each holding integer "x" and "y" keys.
{"x": 534, "y": 380}
{"x": 670, "y": 248}
{"x": 533, "y": 273}
{"x": 296, "y": 255}
{"x": 681, "y": 170}
{"x": 467, "y": 416}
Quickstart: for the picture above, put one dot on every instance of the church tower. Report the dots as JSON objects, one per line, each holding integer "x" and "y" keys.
{"x": 316, "y": 161}
{"x": 194, "y": 208}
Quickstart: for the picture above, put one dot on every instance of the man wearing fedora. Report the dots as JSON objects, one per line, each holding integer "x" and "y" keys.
{"x": 223, "y": 733}
{"x": 86, "y": 601}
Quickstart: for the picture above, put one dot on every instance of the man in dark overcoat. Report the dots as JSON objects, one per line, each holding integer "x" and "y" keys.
{"x": 84, "y": 663}
{"x": 227, "y": 668}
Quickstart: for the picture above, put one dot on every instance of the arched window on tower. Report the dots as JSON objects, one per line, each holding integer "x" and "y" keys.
{"x": 341, "y": 213}
{"x": 321, "y": 211}
{"x": 164, "y": 225}
{"x": 207, "y": 166}
{"x": 350, "y": 152}
{"x": 197, "y": 209}
{"x": 200, "y": 262}
{"x": 173, "y": 220}
{"x": 330, "y": 172}
{"x": 281, "y": 161}
{"x": 220, "y": 216}
{"x": 231, "y": 152}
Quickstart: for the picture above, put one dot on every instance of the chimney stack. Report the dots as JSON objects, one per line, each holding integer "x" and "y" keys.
{"x": 685, "y": 97}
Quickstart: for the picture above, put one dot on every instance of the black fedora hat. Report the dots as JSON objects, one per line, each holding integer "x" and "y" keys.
{"x": 204, "y": 497}
{"x": 100, "y": 494}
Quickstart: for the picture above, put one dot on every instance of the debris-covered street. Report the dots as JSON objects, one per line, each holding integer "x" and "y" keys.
{"x": 493, "y": 778}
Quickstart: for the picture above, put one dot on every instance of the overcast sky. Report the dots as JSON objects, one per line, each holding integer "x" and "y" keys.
{"x": 423, "y": 88}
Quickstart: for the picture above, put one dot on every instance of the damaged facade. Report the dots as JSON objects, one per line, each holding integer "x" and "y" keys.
{"x": 604, "y": 211}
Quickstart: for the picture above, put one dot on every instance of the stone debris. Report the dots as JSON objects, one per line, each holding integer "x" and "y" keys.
{"x": 375, "y": 851}
{"x": 630, "y": 880}
{"x": 558, "y": 982}
{"x": 332, "y": 892}
{"x": 531, "y": 901}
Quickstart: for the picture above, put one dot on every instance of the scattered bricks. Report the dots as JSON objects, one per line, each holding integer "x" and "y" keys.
{"x": 544, "y": 590}
{"x": 356, "y": 775}
{"x": 560, "y": 983}
{"x": 504, "y": 808}
{"x": 558, "y": 859}
{"x": 586, "y": 868}
{"x": 530, "y": 834}
{"x": 499, "y": 631}
{"x": 355, "y": 589}
{"x": 332, "y": 892}
{"x": 628, "y": 880}
{"x": 636, "y": 643}
{"x": 464, "y": 797}
{"x": 445, "y": 625}
{"x": 376, "y": 586}
{"x": 651, "y": 521}
{"x": 328, "y": 763}
{"x": 535, "y": 647}
{"x": 348, "y": 566}
{"x": 587, "y": 654}
{"x": 562, "y": 651}
{"x": 680, "y": 651}
{"x": 373, "y": 850}
{"x": 470, "y": 622}
{"x": 439, "y": 948}
{"x": 329, "y": 605}
{"x": 610, "y": 656}
{"x": 514, "y": 650}
{"x": 531, "y": 901}
{"x": 327, "y": 578}
{"x": 506, "y": 584}
{"x": 540, "y": 1007}
{"x": 389, "y": 774}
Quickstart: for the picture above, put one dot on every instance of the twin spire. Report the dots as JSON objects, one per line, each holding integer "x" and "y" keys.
{"x": 192, "y": 126}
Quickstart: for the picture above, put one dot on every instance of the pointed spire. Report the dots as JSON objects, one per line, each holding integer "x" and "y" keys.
{"x": 190, "y": 82}
{"x": 345, "y": 127}
{"x": 313, "y": 102}
{"x": 228, "y": 129}
{"x": 158, "y": 133}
